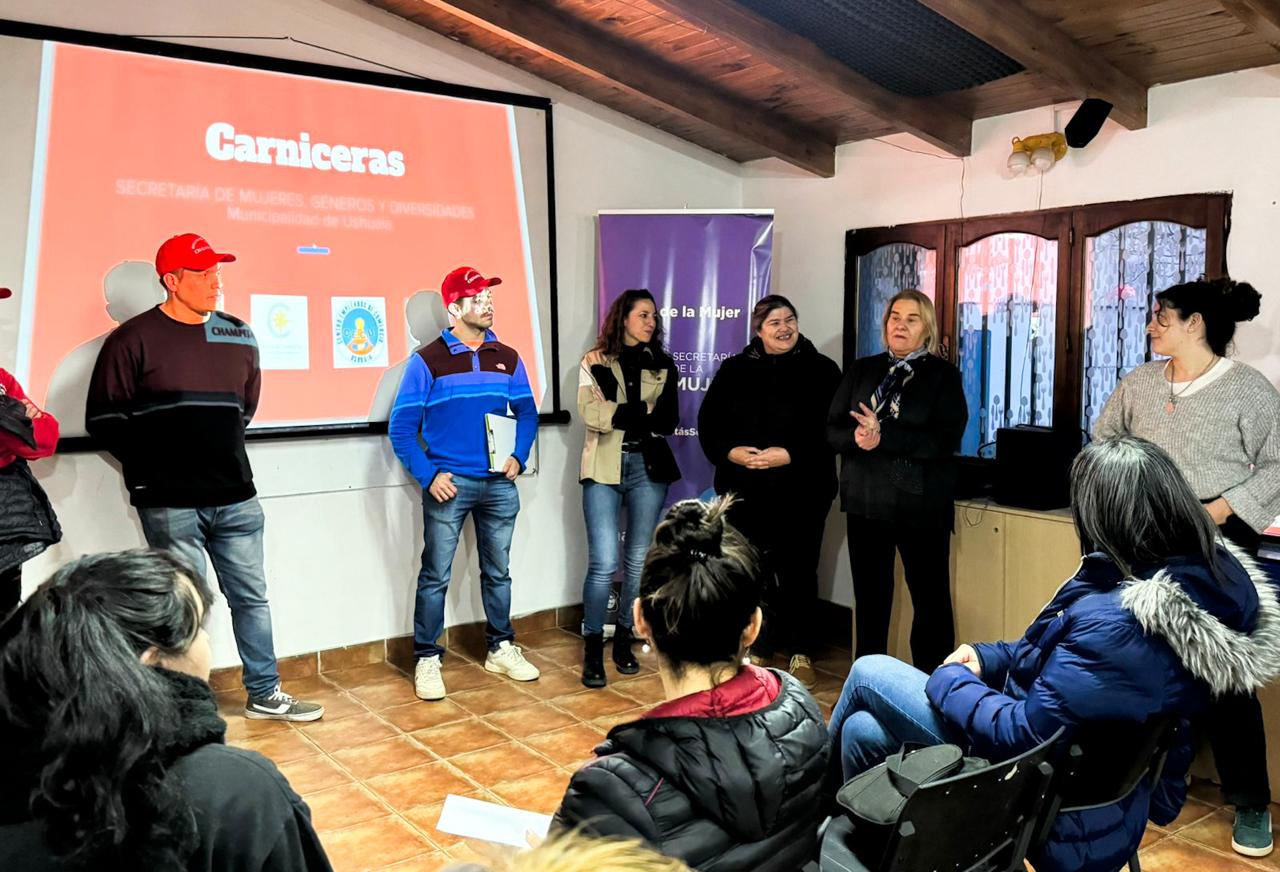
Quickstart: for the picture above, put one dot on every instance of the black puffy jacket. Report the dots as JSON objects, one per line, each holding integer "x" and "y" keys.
{"x": 723, "y": 794}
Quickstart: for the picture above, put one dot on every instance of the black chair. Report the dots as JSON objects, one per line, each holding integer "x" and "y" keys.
{"x": 1104, "y": 763}
{"x": 981, "y": 821}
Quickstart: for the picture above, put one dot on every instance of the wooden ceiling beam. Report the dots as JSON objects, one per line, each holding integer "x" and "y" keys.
{"x": 930, "y": 120}
{"x": 1260, "y": 16}
{"x": 1042, "y": 48}
{"x": 605, "y": 58}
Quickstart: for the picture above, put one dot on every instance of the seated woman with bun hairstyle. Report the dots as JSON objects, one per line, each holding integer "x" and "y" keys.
{"x": 728, "y": 772}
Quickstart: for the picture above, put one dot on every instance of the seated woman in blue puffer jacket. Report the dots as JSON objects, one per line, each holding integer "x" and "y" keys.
{"x": 1160, "y": 617}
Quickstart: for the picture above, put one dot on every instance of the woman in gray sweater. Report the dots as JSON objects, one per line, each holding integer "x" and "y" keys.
{"x": 1220, "y": 421}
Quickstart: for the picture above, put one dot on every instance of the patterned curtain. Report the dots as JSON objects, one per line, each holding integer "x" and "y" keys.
{"x": 1008, "y": 285}
{"x": 1125, "y": 269}
{"x": 881, "y": 274}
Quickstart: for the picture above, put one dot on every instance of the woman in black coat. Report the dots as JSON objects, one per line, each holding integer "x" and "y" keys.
{"x": 763, "y": 425}
{"x": 896, "y": 421}
{"x": 727, "y": 774}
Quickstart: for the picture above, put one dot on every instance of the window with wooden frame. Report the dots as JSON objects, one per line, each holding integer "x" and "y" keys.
{"x": 1043, "y": 312}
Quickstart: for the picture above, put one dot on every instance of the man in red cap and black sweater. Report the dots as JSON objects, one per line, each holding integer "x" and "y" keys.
{"x": 170, "y": 397}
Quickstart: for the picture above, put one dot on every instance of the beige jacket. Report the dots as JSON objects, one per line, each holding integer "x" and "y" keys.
{"x": 602, "y": 449}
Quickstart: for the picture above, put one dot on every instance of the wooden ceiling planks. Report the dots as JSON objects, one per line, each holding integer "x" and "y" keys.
{"x": 1145, "y": 42}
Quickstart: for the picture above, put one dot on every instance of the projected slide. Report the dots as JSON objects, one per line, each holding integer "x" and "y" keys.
{"x": 342, "y": 202}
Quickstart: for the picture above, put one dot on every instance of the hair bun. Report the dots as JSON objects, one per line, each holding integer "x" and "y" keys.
{"x": 694, "y": 528}
{"x": 1241, "y": 299}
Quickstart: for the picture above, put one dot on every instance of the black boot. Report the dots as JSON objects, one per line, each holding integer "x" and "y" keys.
{"x": 593, "y": 660}
{"x": 622, "y": 656}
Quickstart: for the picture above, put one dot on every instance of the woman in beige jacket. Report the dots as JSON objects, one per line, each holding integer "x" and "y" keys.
{"x": 627, "y": 398}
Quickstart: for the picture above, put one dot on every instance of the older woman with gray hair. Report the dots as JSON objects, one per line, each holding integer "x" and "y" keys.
{"x": 1160, "y": 618}
{"x": 896, "y": 422}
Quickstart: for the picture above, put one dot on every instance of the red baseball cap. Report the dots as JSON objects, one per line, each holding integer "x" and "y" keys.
{"x": 464, "y": 282}
{"x": 188, "y": 251}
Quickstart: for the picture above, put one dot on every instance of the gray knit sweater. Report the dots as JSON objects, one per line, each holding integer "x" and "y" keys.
{"x": 1225, "y": 437}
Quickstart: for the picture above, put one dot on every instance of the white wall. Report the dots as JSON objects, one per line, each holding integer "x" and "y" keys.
{"x": 344, "y": 527}
{"x": 1212, "y": 134}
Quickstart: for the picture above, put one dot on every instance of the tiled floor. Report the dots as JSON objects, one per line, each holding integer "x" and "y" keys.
{"x": 375, "y": 771}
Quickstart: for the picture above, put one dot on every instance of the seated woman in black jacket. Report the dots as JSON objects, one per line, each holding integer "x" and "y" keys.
{"x": 727, "y": 774}
{"x": 110, "y": 741}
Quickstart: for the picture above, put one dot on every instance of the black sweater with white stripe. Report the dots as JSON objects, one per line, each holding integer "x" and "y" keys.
{"x": 171, "y": 402}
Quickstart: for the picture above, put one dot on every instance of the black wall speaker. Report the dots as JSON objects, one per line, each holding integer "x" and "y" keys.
{"x": 1087, "y": 121}
{"x": 1033, "y": 467}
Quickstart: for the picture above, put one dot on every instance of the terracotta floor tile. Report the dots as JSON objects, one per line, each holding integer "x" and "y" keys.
{"x": 281, "y": 747}
{"x": 240, "y": 727}
{"x": 528, "y": 720}
{"x": 1152, "y": 835}
{"x": 591, "y": 704}
{"x": 420, "y": 785}
{"x": 379, "y": 758}
{"x": 337, "y": 704}
{"x": 608, "y": 722}
{"x": 461, "y": 675}
{"x": 420, "y": 715}
{"x": 564, "y": 657}
{"x": 345, "y": 733}
{"x": 432, "y": 862}
{"x": 541, "y": 793}
{"x": 544, "y": 663}
{"x": 304, "y": 687}
{"x": 1177, "y": 855}
{"x": 341, "y": 807}
{"x": 313, "y": 773}
{"x": 836, "y": 662}
{"x": 555, "y": 681}
{"x": 506, "y": 762}
{"x": 568, "y": 745}
{"x": 375, "y": 673}
{"x": 1193, "y": 811}
{"x": 645, "y": 689}
{"x": 385, "y": 694}
{"x": 373, "y": 844}
{"x": 230, "y": 702}
{"x": 459, "y": 655}
{"x": 546, "y": 639}
{"x": 461, "y": 737}
{"x": 492, "y": 699}
{"x": 1214, "y": 831}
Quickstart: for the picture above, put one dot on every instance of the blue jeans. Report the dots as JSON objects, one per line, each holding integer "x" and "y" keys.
{"x": 232, "y": 536}
{"x": 882, "y": 706}
{"x": 601, "y": 504}
{"x": 493, "y": 504}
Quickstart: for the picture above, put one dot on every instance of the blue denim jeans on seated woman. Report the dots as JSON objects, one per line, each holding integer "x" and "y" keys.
{"x": 601, "y": 505}
{"x": 493, "y": 504}
{"x": 882, "y": 706}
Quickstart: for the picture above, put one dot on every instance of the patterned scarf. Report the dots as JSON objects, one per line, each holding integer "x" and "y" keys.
{"x": 889, "y": 392}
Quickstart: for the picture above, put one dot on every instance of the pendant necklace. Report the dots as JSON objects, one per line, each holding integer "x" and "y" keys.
{"x": 1171, "y": 405}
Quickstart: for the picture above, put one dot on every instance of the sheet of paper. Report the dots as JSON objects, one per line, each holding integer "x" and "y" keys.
{"x": 501, "y": 433}
{"x": 490, "y": 822}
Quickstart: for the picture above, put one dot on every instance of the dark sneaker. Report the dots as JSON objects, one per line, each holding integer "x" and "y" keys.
{"x": 280, "y": 706}
{"x": 1251, "y": 834}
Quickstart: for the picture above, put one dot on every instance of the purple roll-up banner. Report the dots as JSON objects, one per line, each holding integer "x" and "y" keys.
{"x": 706, "y": 270}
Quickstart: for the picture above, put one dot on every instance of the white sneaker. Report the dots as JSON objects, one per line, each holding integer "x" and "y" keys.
{"x": 509, "y": 660}
{"x": 427, "y": 682}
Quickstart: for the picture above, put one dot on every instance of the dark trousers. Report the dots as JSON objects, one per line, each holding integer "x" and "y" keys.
{"x": 788, "y": 534}
{"x": 10, "y": 590}
{"x": 926, "y": 560}
{"x": 1234, "y": 723}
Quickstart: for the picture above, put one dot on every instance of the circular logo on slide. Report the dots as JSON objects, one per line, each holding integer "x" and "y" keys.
{"x": 360, "y": 329}
{"x": 279, "y": 321}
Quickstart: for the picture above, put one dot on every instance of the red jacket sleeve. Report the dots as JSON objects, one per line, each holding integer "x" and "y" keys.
{"x": 44, "y": 427}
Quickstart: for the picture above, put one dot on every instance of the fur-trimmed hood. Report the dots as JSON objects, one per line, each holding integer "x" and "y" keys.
{"x": 1226, "y": 633}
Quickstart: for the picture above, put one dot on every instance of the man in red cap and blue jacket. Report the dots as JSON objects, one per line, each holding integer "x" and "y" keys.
{"x": 448, "y": 388}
